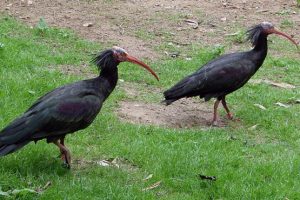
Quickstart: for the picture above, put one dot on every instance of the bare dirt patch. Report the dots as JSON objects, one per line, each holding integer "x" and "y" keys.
{"x": 145, "y": 28}
{"x": 184, "y": 113}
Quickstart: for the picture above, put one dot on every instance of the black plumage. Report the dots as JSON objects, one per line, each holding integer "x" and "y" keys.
{"x": 66, "y": 109}
{"x": 226, "y": 73}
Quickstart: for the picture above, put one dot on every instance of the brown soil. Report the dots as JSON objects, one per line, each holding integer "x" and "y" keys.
{"x": 146, "y": 28}
{"x": 141, "y": 26}
{"x": 185, "y": 113}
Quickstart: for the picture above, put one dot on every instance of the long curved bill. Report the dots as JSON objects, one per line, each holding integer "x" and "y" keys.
{"x": 284, "y": 35}
{"x": 138, "y": 62}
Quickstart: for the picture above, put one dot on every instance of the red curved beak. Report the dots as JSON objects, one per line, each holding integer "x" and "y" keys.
{"x": 138, "y": 62}
{"x": 284, "y": 35}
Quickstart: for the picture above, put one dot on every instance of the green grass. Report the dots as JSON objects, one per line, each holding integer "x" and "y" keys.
{"x": 286, "y": 23}
{"x": 257, "y": 164}
{"x": 238, "y": 37}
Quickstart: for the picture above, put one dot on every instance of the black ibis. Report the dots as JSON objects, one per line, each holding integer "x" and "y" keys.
{"x": 226, "y": 73}
{"x": 68, "y": 108}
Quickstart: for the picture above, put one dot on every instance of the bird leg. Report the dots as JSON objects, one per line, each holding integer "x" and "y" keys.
{"x": 62, "y": 142}
{"x": 215, "y": 122}
{"x": 66, "y": 156}
{"x": 229, "y": 114}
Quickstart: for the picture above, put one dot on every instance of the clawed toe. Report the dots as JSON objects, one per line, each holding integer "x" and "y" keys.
{"x": 230, "y": 116}
{"x": 66, "y": 165}
{"x": 66, "y": 162}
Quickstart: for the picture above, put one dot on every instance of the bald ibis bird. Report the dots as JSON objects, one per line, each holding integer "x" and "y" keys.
{"x": 226, "y": 73}
{"x": 68, "y": 108}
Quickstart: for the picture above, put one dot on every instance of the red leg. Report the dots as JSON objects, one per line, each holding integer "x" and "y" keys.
{"x": 66, "y": 156}
{"x": 215, "y": 118}
{"x": 62, "y": 142}
{"x": 229, "y": 114}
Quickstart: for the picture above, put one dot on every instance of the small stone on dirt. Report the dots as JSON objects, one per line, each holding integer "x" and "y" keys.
{"x": 223, "y": 19}
{"x": 88, "y": 24}
{"x": 193, "y": 23}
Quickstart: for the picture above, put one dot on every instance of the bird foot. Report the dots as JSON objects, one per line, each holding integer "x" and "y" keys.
{"x": 64, "y": 154}
{"x": 231, "y": 117}
{"x": 66, "y": 160}
{"x": 66, "y": 165}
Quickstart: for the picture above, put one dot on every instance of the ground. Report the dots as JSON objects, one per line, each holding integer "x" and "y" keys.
{"x": 156, "y": 30}
{"x": 142, "y": 27}
{"x": 137, "y": 148}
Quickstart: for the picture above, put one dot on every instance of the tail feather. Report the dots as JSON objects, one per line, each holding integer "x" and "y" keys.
{"x": 10, "y": 148}
{"x": 18, "y": 133}
{"x": 178, "y": 91}
{"x": 20, "y": 129}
